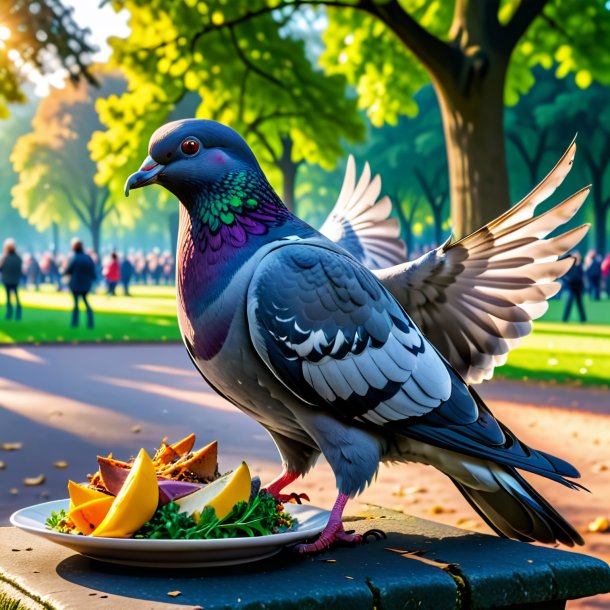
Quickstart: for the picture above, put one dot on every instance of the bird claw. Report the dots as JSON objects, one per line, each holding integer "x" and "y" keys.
{"x": 293, "y": 497}
{"x": 375, "y": 534}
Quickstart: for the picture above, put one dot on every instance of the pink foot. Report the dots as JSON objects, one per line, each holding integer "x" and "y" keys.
{"x": 293, "y": 497}
{"x": 334, "y": 531}
{"x": 276, "y": 486}
{"x": 327, "y": 537}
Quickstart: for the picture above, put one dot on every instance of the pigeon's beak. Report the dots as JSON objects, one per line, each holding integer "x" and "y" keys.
{"x": 147, "y": 174}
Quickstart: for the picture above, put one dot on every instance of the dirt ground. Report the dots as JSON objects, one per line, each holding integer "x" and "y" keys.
{"x": 68, "y": 404}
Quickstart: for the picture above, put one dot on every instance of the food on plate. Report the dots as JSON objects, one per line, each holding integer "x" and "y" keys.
{"x": 222, "y": 495}
{"x": 178, "y": 493}
{"x": 135, "y": 503}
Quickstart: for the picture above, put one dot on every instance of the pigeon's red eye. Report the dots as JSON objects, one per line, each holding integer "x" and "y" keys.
{"x": 189, "y": 146}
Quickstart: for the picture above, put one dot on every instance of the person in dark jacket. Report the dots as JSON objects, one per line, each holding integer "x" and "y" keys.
{"x": 127, "y": 270}
{"x": 11, "y": 269}
{"x": 81, "y": 270}
{"x": 574, "y": 281}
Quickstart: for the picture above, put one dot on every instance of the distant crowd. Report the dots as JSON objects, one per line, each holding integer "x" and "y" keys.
{"x": 81, "y": 272}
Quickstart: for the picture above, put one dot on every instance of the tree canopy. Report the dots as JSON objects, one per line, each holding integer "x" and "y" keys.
{"x": 42, "y": 34}
{"x": 56, "y": 173}
{"x": 476, "y": 53}
{"x": 254, "y": 76}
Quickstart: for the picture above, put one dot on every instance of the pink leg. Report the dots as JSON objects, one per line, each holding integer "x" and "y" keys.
{"x": 275, "y": 487}
{"x": 333, "y": 530}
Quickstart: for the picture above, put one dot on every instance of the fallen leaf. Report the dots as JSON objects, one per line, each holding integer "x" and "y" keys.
{"x": 60, "y": 464}
{"x": 174, "y": 593}
{"x": 13, "y": 491}
{"x": 350, "y": 577}
{"x": 601, "y": 525}
{"x": 2, "y": 465}
{"x": 600, "y": 467}
{"x": 135, "y": 429}
{"x": 34, "y": 481}
{"x": 11, "y": 446}
{"x": 437, "y": 509}
{"x": 327, "y": 560}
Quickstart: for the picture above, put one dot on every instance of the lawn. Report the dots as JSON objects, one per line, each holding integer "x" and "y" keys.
{"x": 560, "y": 352}
{"x": 148, "y": 315}
{"x": 573, "y": 353}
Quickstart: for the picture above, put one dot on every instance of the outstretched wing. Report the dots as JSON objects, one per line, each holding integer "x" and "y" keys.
{"x": 474, "y": 299}
{"x": 332, "y": 334}
{"x": 361, "y": 224}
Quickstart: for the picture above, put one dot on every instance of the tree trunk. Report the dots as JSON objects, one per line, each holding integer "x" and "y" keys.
{"x": 600, "y": 230}
{"x": 173, "y": 219}
{"x": 289, "y": 172}
{"x": 55, "y": 237}
{"x": 437, "y": 214}
{"x": 600, "y": 211}
{"x": 95, "y": 228}
{"x": 474, "y": 136}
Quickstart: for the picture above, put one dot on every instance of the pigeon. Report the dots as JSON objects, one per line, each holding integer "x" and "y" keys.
{"x": 295, "y": 331}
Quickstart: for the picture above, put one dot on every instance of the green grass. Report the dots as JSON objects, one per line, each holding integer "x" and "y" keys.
{"x": 574, "y": 353}
{"x": 558, "y": 352}
{"x": 148, "y": 315}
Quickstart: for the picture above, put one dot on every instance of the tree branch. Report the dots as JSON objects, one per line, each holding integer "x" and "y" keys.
{"x": 247, "y": 16}
{"x": 526, "y": 12}
{"x": 274, "y": 158}
{"x": 434, "y": 53}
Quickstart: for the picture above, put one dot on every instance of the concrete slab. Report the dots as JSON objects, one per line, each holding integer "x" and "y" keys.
{"x": 421, "y": 564}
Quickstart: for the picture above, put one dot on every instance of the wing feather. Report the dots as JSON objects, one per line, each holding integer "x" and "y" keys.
{"x": 474, "y": 299}
{"x": 360, "y": 222}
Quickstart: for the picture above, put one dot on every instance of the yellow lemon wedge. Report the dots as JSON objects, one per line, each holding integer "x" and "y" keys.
{"x": 135, "y": 503}
{"x": 222, "y": 494}
{"x": 79, "y": 494}
{"x": 88, "y": 515}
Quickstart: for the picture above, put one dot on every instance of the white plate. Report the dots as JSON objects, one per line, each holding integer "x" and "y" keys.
{"x": 172, "y": 553}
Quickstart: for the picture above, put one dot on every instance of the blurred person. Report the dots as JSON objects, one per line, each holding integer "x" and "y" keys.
{"x": 593, "y": 273}
{"x": 605, "y": 267}
{"x": 169, "y": 268}
{"x": 154, "y": 268}
{"x": 574, "y": 282}
{"x": 11, "y": 268}
{"x": 112, "y": 273}
{"x": 97, "y": 264}
{"x": 32, "y": 272}
{"x": 139, "y": 262}
{"x": 81, "y": 270}
{"x": 127, "y": 270}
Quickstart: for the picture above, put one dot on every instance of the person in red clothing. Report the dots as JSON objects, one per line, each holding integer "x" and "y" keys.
{"x": 112, "y": 273}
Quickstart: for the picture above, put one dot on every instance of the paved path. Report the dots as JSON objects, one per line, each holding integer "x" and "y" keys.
{"x": 71, "y": 403}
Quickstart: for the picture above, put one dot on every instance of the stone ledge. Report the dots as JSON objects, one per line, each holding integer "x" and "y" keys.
{"x": 422, "y": 565}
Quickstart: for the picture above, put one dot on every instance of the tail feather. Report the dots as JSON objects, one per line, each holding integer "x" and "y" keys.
{"x": 516, "y": 510}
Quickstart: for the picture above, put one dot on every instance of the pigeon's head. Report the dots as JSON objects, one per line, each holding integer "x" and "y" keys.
{"x": 188, "y": 156}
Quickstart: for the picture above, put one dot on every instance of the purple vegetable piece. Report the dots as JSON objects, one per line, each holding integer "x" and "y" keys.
{"x": 173, "y": 490}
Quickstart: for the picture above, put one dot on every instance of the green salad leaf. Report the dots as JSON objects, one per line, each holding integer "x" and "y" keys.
{"x": 261, "y": 516}
{"x": 58, "y": 522}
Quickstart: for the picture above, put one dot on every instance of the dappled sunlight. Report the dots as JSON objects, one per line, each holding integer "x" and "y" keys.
{"x": 81, "y": 419}
{"x": 20, "y": 353}
{"x": 203, "y": 398}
